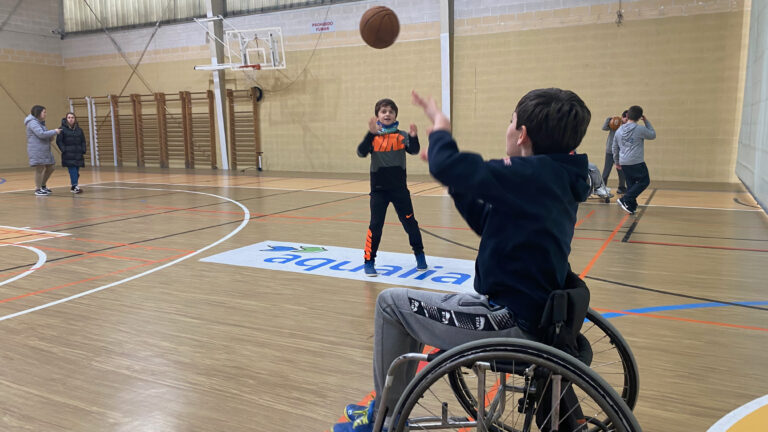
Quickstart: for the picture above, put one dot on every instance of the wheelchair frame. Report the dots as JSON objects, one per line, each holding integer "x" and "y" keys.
{"x": 518, "y": 359}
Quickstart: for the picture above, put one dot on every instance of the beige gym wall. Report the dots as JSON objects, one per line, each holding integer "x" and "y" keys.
{"x": 684, "y": 66}
{"x": 32, "y": 78}
{"x": 684, "y": 71}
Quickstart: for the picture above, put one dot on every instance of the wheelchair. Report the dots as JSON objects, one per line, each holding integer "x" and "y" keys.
{"x": 517, "y": 385}
{"x": 597, "y": 187}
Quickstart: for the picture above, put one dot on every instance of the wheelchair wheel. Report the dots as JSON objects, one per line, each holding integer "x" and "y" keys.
{"x": 517, "y": 380}
{"x": 612, "y": 359}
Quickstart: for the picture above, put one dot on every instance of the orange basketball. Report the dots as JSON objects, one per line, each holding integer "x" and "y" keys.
{"x": 614, "y": 123}
{"x": 379, "y": 27}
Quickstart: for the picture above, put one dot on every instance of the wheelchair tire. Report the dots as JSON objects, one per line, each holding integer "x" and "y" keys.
{"x": 428, "y": 401}
{"x": 623, "y": 374}
{"x": 612, "y": 360}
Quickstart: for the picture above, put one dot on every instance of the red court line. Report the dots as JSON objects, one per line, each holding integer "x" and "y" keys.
{"x": 68, "y": 284}
{"x": 602, "y": 248}
{"x": 585, "y": 218}
{"x": 46, "y": 265}
{"x": 715, "y": 323}
{"x": 238, "y": 213}
{"x": 90, "y": 219}
{"x": 128, "y": 245}
{"x": 97, "y": 254}
{"x": 29, "y": 294}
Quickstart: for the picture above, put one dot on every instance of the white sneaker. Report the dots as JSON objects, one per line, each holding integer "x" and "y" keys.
{"x": 603, "y": 192}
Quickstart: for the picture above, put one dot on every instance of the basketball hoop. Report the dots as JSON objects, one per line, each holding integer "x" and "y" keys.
{"x": 250, "y": 66}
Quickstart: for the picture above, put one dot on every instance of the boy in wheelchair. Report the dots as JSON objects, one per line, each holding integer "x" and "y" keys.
{"x": 598, "y": 187}
{"x": 524, "y": 209}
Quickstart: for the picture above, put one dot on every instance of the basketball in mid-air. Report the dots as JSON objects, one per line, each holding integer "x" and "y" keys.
{"x": 614, "y": 123}
{"x": 379, "y": 27}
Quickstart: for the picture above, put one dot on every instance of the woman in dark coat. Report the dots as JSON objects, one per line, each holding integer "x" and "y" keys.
{"x": 71, "y": 142}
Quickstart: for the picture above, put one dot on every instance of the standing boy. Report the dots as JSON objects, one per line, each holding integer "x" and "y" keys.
{"x": 629, "y": 156}
{"x": 524, "y": 209}
{"x": 387, "y": 146}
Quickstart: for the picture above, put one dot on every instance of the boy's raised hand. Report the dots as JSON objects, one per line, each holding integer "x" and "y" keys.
{"x": 439, "y": 120}
{"x": 414, "y": 131}
{"x": 373, "y": 126}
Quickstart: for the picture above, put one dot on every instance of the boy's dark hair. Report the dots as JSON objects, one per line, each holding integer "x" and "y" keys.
{"x": 624, "y": 114}
{"x": 37, "y": 110}
{"x": 556, "y": 120}
{"x": 634, "y": 113}
{"x": 385, "y": 102}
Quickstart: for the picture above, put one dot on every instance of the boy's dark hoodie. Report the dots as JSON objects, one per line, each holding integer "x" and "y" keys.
{"x": 524, "y": 209}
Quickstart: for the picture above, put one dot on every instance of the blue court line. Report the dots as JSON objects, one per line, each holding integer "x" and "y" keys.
{"x": 679, "y": 307}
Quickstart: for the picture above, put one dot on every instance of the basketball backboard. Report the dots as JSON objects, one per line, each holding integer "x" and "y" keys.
{"x": 256, "y": 49}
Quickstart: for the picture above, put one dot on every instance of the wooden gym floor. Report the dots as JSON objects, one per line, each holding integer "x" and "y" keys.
{"x": 110, "y": 322}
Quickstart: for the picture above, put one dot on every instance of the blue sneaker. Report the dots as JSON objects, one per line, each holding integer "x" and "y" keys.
{"x": 363, "y": 422}
{"x": 369, "y": 268}
{"x": 353, "y": 411}
{"x": 421, "y": 262}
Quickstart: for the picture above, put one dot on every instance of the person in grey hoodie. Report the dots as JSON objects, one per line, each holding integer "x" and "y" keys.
{"x": 39, "y": 148}
{"x": 629, "y": 156}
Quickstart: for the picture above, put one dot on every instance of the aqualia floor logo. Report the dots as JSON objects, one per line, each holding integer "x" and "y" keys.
{"x": 445, "y": 274}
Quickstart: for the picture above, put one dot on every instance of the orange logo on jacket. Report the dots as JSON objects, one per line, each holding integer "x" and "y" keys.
{"x": 388, "y": 142}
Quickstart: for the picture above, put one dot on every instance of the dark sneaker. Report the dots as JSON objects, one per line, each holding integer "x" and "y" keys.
{"x": 76, "y": 190}
{"x": 624, "y": 206}
{"x": 46, "y": 190}
{"x": 369, "y": 268}
{"x": 421, "y": 262}
{"x": 40, "y": 192}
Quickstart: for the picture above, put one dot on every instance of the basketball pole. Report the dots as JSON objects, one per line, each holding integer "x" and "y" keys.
{"x": 446, "y": 55}
{"x": 216, "y": 28}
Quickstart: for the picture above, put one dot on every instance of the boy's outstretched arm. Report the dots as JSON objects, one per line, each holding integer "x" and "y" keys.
{"x": 462, "y": 172}
{"x": 438, "y": 119}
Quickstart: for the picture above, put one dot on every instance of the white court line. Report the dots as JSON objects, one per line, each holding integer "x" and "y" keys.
{"x": 739, "y": 413}
{"x": 246, "y": 218}
{"x": 41, "y": 258}
{"x": 52, "y": 234}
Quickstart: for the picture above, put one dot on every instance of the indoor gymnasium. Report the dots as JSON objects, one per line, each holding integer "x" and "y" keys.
{"x": 196, "y": 231}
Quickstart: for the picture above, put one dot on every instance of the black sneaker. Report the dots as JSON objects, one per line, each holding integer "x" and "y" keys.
{"x": 624, "y": 206}
{"x": 40, "y": 192}
{"x": 75, "y": 190}
{"x": 46, "y": 190}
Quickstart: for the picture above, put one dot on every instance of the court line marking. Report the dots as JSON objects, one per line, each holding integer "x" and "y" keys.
{"x": 738, "y": 414}
{"x": 246, "y": 218}
{"x": 432, "y": 196}
{"x": 671, "y": 318}
{"x": 603, "y": 247}
{"x": 41, "y": 258}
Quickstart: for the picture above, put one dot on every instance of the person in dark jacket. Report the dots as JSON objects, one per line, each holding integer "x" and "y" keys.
{"x": 71, "y": 142}
{"x": 39, "y": 148}
{"x": 524, "y": 209}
